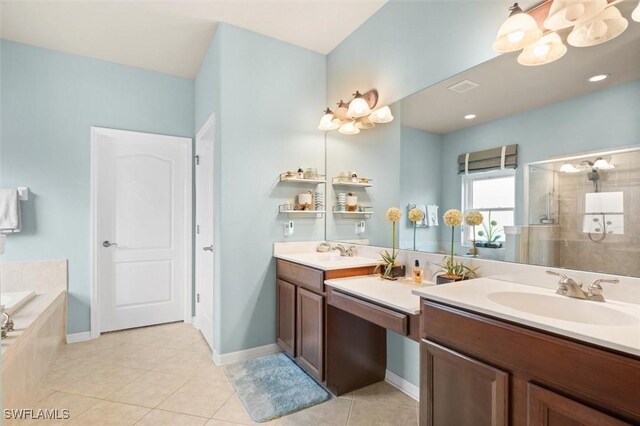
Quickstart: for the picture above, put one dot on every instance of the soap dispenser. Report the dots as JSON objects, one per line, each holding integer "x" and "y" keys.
{"x": 417, "y": 273}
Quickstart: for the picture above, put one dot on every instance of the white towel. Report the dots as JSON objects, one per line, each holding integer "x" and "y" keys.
{"x": 9, "y": 211}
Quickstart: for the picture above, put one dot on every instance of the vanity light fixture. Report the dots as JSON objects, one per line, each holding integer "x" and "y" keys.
{"x": 470, "y": 116}
{"x": 349, "y": 128}
{"x": 381, "y": 115}
{"x": 544, "y": 51}
{"x": 327, "y": 121}
{"x": 597, "y": 78}
{"x": 518, "y": 31}
{"x": 605, "y": 26}
{"x": 635, "y": 15}
{"x": 602, "y": 164}
{"x": 567, "y": 13}
{"x": 358, "y": 114}
{"x": 358, "y": 107}
{"x": 569, "y": 168}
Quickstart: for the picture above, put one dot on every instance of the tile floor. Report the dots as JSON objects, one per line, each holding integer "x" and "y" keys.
{"x": 163, "y": 375}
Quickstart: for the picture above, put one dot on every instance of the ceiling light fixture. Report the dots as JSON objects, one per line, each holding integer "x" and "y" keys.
{"x": 567, "y": 13}
{"x": 598, "y": 77}
{"x": 358, "y": 114}
{"x": 606, "y": 26}
{"x": 469, "y": 116}
{"x": 327, "y": 121}
{"x": 544, "y": 51}
{"x": 518, "y": 31}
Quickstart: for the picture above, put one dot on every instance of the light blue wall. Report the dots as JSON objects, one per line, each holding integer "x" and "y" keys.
{"x": 50, "y": 100}
{"x": 420, "y": 182}
{"x": 375, "y": 154}
{"x": 601, "y": 120}
{"x": 269, "y": 101}
{"x": 403, "y": 48}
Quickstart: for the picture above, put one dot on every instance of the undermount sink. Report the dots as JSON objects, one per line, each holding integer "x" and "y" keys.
{"x": 563, "y": 308}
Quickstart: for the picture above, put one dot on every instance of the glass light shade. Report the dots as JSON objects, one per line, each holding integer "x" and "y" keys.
{"x": 358, "y": 107}
{"x": 546, "y": 50}
{"x": 327, "y": 122}
{"x": 341, "y": 112}
{"x": 567, "y": 13}
{"x": 517, "y": 32}
{"x": 569, "y": 168}
{"x": 381, "y": 115}
{"x": 365, "y": 123}
{"x": 349, "y": 128}
{"x": 602, "y": 164}
{"x": 606, "y": 26}
{"x": 636, "y": 13}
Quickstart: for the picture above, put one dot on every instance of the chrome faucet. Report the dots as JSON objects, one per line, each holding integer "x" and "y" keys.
{"x": 344, "y": 251}
{"x": 7, "y": 325}
{"x": 569, "y": 287}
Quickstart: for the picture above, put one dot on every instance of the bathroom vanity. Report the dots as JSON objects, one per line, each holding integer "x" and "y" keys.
{"x": 301, "y": 304}
{"x": 507, "y": 367}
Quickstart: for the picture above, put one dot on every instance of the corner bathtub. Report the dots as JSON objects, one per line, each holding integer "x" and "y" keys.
{"x": 14, "y": 300}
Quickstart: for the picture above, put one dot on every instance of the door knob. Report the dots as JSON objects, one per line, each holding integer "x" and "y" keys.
{"x": 210, "y": 248}
{"x": 107, "y": 243}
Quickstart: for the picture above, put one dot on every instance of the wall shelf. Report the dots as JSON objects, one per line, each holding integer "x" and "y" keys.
{"x": 317, "y": 213}
{"x": 284, "y": 178}
{"x": 366, "y": 213}
{"x": 338, "y": 181}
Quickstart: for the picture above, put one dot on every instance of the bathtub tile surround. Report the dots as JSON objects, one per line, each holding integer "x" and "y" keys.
{"x": 164, "y": 375}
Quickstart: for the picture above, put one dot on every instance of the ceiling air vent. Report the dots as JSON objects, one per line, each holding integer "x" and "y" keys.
{"x": 463, "y": 86}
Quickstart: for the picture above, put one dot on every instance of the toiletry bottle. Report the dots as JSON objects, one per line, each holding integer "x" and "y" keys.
{"x": 417, "y": 273}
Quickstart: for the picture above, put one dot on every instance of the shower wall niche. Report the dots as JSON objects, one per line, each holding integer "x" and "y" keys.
{"x": 584, "y": 213}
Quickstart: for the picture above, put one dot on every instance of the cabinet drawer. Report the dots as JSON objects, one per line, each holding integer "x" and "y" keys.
{"x": 378, "y": 315}
{"x": 309, "y": 278}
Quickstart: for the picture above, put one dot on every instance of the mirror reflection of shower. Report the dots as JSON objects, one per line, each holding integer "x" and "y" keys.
{"x": 580, "y": 211}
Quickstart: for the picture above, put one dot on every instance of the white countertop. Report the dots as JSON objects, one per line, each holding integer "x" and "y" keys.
{"x": 611, "y": 324}
{"x": 393, "y": 294}
{"x": 327, "y": 261}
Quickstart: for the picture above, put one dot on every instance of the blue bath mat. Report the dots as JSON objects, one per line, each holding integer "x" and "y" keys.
{"x": 272, "y": 386}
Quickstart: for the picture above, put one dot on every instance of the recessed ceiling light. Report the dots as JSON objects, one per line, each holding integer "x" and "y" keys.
{"x": 598, "y": 77}
{"x": 469, "y": 116}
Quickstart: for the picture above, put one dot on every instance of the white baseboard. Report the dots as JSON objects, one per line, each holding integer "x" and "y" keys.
{"x": 223, "y": 359}
{"x": 79, "y": 337}
{"x": 402, "y": 385}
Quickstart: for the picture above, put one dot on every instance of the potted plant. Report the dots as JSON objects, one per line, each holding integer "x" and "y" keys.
{"x": 453, "y": 269}
{"x": 491, "y": 232}
{"x": 415, "y": 215}
{"x": 473, "y": 218}
{"x": 390, "y": 269}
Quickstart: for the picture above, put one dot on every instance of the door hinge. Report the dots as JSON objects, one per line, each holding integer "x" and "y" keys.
{"x": 198, "y": 298}
{"x": 197, "y": 157}
{"x": 197, "y": 229}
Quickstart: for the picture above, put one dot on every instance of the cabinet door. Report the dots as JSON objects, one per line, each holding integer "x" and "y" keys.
{"x": 310, "y": 332}
{"x": 286, "y": 316}
{"x": 547, "y": 408}
{"x": 458, "y": 390}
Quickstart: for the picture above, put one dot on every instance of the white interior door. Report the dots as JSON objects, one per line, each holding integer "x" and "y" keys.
{"x": 205, "y": 231}
{"x": 142, "y": 231}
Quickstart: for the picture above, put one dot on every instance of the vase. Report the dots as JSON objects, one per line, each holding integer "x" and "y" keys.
{"x": 397, "y": 271}
{"x": 446, "y": 279}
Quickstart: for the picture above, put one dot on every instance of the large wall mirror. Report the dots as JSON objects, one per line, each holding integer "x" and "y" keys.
{"x": 549, "y": 155}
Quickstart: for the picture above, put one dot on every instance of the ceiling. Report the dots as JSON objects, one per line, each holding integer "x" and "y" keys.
{"x": 508, "y": 88}
{"x": 172, "y": 36}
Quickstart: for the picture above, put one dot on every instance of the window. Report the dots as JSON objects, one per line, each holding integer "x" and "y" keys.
{"x": 492, "y": 194}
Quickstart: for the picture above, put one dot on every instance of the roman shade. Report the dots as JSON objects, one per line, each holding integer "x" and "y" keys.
{"x": 504, "y": 157}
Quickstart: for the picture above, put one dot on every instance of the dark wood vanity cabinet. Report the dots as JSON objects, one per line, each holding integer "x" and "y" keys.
{"x": 301, "y": 306}
{"x": 477, "y": 370}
